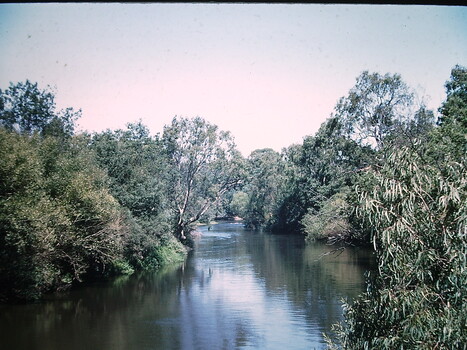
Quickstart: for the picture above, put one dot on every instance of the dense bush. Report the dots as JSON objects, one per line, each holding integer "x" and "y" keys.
{"x": 73, "y": 208}
{"x": 57, "y": 218}
{"x": 137, "y": 171}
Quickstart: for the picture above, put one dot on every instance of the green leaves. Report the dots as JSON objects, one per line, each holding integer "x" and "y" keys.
{"x": 330, "y": 222}
{"x": 57, "y": 220}
{"x": 203, "y": 166}
{"x": 27, "y": 109}
{"x": 265, "y": 187}
{"x": 415, "y": 204}
{"x": 138, "y": 179}
{"x": 378, "y": 110}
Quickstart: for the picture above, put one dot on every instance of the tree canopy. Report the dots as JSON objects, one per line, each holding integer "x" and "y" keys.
{"x": 204, "y": 165}
{"x": 375, "y": 108}
{"x": 414, "y": 207}
{"x": 27, "y": 109}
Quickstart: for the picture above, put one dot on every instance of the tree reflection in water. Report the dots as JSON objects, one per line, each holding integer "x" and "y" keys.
{"x": 237, "y": 289}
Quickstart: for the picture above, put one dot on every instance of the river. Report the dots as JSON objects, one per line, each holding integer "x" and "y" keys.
{"x": 238, "y": 289}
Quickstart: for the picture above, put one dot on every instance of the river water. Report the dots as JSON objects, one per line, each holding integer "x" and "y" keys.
{"x": 237, "y": 290}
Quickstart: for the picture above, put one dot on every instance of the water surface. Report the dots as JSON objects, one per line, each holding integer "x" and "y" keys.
{"x": 237, "y": 290}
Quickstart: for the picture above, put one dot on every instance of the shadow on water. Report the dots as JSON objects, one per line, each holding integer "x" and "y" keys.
{"x": 236, "y": 290}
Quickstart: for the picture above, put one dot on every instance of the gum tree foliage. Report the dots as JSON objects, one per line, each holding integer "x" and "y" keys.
{"x": 328, "y": 161}
{"x": 453, "y": 118}
{"x": 330, "y": 222}
{"x": 238, "y": 204}
{"x": 292, "y": 206}
{"x": 135, "y": 164}
{"x": 376, "y": 108}
{"x": 27, "y": 109}
{"x": 204, "y": 165}
{"x": 265, "y": 185}
{"x": 415, "y": 205}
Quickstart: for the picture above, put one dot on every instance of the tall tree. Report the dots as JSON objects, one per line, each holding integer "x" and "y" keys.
{"x": 453, "y": 119}
{"x": 375, "y": 107}
{"x": 27, "y": 109}
{"x": 265, "y": 187}
{"x": 414, "y": 205}
{"x": 58, "y": 222}
{"x": 323, "y": 166}
{"x": 136, "y": 166}
{"x": 328, "y": 161}
{"x": 204, "y": 164}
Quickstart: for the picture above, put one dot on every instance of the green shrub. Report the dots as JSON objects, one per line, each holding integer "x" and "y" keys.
{"x": 164, "y": 254}
{"x": 330, "y": 222}
{"x": 57, "y": 220}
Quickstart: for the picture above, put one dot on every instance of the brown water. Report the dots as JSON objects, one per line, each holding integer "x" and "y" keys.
{"x": 237, "y": 290}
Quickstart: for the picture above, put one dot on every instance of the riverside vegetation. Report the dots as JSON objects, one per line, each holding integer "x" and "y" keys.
{"x": 382, "y": 170}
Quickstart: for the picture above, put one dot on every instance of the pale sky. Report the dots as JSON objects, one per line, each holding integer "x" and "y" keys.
{"x": 268, "y": 73}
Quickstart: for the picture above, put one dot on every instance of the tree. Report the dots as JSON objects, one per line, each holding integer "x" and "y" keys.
{"x": 323, "y": 166}
{"x": 203, "y": 165}
{"x": 293, "y": 205}
{"x": 415, "y": 207}
{"x": 329, "y": 160}
{"x": 265, "y": 187}
{"x": 453, "y": 119}
{"x": 58, "y": 221}
{"x": 137, "y": 168}
{"x": 27, "y": 109}
{"x": 417, "y": 213}
{"x": 330, "y": 222}
{"x": 375, "y": 107}
{"x": 238, "y": 204}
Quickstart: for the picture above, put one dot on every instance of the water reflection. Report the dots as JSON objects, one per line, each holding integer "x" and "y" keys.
{"x": 237, "y": 290}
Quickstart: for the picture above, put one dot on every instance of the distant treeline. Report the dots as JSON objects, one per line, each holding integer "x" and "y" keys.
{"x": 382, "y": 170}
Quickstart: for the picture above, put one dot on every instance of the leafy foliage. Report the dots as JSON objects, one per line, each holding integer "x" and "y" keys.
{"x": 415, "y": 205}
{"x": 374, "y": 107}
{"x": 137, "y": 168}
{"x": 265, "y": 187}
{"x": 330, "y": 222}
{"x": 238, "y": 204}
{"x": 204, "y": 165}
{"x": 57, "y": 219}
{"x": 27, "y": 109}
{"x": 75, "y": 207}
{"x": 316, "y": 171}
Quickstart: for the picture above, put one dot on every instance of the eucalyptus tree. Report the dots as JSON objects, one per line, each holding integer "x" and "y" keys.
{"x": 414, "y": 205}
{"x": 323, "y": 166}
{"x": 375, "y": 108}
{"x": 453, "y": 118}
{"x": 26, "y": 108}
{"x": 58, "y": 221}
{"x": 329, "y": 160}
{"x": 204, "y": 165}
{"x": 265, "y": 187}
{"x": 136, "y": 166}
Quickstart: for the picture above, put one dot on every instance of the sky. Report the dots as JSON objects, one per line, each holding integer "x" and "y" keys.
{"x": 270, "y": 74}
